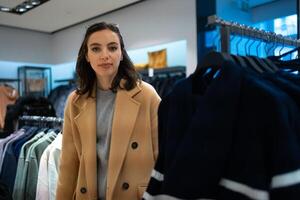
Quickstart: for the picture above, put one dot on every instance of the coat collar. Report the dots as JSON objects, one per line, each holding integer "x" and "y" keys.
{"x": 125, "y": 114}
{"x": 81, "y": 101}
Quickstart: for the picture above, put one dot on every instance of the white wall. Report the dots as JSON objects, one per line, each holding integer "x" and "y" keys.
{"x": 142, "y": 25}
{"x": 19, "y": 45}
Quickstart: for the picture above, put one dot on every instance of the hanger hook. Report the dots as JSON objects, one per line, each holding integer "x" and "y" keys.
{"x": 260, "y": 42}
{"x": 253, "y": 41}
{"x": 215, "y": 41}
{"x": 267, "y": 38}
{"x": 254, "y": 32}
{"x": 248, "y": 38}
{"x": 272, "y": 39}
{"x": 282, "y": 39}
{"x": 240, "y": 39}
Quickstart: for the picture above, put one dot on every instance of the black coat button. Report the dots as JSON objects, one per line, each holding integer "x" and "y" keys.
{"x": 83, "y": 190}
{"x": 134, "y": 145}
{"x": 125, "y": 186}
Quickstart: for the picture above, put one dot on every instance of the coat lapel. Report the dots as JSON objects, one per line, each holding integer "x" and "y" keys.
{"x": 126, "y": 111}
{"x": 86, "y": 124}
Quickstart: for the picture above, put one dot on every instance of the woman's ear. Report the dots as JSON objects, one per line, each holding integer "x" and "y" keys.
{"x": 87, "y": 58}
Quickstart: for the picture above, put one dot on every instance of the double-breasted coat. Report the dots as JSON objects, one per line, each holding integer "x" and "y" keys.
{"x": 133, "y": 148}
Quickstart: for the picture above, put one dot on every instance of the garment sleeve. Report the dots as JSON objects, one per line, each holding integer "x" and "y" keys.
{"x": 154, "y": 123}
{"x": 157, "y": 174}
{"x": 265, "y": 158}
{"x": 69, "y": 161}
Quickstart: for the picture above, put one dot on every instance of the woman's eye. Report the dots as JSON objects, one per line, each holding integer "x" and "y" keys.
{"x": 95, "y": 49}
{"x": 113, "y": 48}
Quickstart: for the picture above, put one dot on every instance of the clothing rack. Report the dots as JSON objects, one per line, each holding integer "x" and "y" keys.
{"x": 9, "y": 80}
{"x": 152, "y": 72}
{"x": 228, "y": 28}
{"x": 65, "y": 80}
{"x": 41, "y": 119}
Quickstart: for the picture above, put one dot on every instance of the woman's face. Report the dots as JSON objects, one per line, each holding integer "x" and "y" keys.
{"x": 104, "y": 54}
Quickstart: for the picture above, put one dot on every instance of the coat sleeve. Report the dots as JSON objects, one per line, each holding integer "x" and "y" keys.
{"x": 154, "y": 123}
{"x": 157, "y": 174}
{"x": 69, "y": 161}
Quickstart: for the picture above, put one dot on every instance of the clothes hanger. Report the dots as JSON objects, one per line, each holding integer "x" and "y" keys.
{"x": 240, "y": 61}
{"x": 293, "y": 64}
{"x": 214, "y": 59}
{"x": 210, "y": 68}
{"x": 262, "y": 64}
{"x": 252, "y": 64}
{"x": 270, "y": 64}
{"x": 276, "y": 58}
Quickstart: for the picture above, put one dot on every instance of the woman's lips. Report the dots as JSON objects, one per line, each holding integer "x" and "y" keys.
{"x": 105, "y": 65}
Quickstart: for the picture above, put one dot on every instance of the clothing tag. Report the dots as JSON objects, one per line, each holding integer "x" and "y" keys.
{"x": 207, "y": 71}
{"x": 216, "y": 74}
{"x": 150, "y": 72}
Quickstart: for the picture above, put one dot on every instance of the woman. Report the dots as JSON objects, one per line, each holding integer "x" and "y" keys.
{"x": 110, "y": 126}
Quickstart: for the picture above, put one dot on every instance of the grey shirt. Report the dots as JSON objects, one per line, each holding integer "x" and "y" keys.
{"x": 105, "y": 110}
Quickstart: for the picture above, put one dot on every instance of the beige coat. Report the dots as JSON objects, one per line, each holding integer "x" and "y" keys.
{"x": 133, "y": 149}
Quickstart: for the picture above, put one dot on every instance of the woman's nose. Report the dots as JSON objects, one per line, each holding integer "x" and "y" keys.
{"x": 104, "y": 55}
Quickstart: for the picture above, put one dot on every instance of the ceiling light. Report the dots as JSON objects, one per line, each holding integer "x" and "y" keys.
{"x": 5, "y": 9}
{"x": 28, "y": 5}
{"x": 35, "y": 2}
{"x": 23, "y": 7}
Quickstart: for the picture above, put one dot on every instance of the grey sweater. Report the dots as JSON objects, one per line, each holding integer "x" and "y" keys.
{"x": 105, "y": 110}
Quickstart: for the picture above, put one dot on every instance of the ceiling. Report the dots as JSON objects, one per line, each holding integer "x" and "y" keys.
{"x": 55, "y": 15}
{"x": 255, "y": 3}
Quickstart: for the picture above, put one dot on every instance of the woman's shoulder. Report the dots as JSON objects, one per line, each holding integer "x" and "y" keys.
{"x": 148, "y": 89}
{"x": 73, "y": 96}
{"x": 146, "y": 86}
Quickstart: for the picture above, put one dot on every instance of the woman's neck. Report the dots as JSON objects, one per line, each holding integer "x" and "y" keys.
{"x": 104, "y": 84}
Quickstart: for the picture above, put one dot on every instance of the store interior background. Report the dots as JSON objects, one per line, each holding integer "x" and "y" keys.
{"x": 146, "y": 26}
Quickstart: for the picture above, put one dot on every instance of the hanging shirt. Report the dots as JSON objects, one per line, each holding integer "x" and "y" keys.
{"x": 53, "y": 166}
{"x": 105, "y": 108}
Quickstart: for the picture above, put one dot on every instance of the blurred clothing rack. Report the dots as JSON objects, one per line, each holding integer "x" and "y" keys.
{"x": 9, "y": 80}
{"x": 232, "y": 28}
{"x": 41, "y": 119}
{"x": 65, "y": 80}
{"x": 166, "y": 70}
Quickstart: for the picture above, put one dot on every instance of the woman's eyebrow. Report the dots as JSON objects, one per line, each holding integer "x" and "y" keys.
{"x": 112, "y": 43}
{"x": 95, "y": 44}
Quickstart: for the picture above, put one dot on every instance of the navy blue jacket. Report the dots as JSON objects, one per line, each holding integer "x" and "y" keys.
{"x": 235, "y": 137}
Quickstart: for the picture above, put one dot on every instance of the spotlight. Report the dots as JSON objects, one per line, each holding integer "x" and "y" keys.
{"x": 35, "y": 2}
{"x": 23, "y": 7}
{"x": 28, "y": 5}
{"x": 5, "y": 9}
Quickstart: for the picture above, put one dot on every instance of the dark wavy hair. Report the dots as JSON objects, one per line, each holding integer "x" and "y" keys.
{"x": 87, "y": 76}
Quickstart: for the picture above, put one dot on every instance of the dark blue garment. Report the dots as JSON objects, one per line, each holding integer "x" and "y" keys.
{"x": 10, "y": 160}
{"x": 289, "y": 75}
{"x": 4, "y": 192}
{"x": 220, "y": 136}
{"x": 18, "y": 145}
{"x": 287, "y": 84}
{"x": 58, "y": 98}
